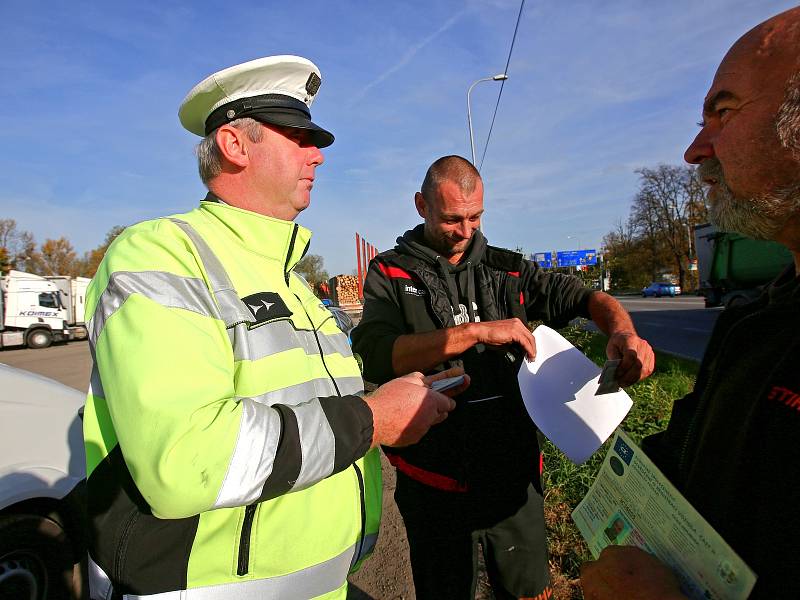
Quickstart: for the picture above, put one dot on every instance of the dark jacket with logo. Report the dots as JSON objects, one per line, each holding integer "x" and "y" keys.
{"x": 733, "y": 445}
{"x": 489, "y": 447}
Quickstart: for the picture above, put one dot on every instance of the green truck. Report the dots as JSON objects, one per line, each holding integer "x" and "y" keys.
{"x": 733, "y": 269}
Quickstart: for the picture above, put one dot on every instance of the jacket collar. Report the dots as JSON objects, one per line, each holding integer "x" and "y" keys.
{"x": 282, "y": 241}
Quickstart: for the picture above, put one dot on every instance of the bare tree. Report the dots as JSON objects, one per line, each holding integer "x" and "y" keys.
{"x": 669, "y": 203}
{"x": 17, "y": 247}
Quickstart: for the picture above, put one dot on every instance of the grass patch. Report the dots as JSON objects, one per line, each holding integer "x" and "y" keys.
{"x": 566, "y": 484}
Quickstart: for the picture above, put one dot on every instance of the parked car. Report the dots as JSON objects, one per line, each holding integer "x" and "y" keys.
{"x": 42, "y": 488}
{"x": 659, "y": 289}
{"x": 343, "y": 320}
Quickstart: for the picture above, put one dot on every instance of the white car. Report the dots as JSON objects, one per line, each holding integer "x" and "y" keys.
{"x": 42, "y": 488}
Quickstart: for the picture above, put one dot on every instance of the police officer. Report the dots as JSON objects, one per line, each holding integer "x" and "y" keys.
{"x": 230, "y": 450}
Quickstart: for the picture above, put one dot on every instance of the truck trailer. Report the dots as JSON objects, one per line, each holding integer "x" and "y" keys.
{"x": 32, "y": 312}
{"x": 734, "y": 269}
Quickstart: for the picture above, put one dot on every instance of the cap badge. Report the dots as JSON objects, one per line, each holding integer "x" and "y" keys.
{"x": 313, "y": 83}
{"x": 231, "y": 113}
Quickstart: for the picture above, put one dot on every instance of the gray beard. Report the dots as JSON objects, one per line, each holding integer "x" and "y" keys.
{"x": 760, "y": 217}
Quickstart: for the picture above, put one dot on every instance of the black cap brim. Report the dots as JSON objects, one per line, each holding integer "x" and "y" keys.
{"x": 318, "y": 136}
{"x": 272, "y": 109}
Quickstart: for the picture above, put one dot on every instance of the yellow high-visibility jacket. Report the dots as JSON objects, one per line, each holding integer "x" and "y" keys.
{"x": 227, "y": 441}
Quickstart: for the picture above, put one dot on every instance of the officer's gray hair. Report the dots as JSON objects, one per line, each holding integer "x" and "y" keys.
{"x": 787, "y": 120}
{"x": 209, "y": 157}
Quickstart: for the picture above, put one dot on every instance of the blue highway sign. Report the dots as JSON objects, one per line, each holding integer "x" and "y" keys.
{"x": 565, "y": 258}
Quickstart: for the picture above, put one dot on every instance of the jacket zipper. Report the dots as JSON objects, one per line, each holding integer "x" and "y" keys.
{"x": 244, "y": 539}
{"x": 319, "y": 347}
{"x": 363, "y": 513}
{"x": 122, "y": 548}
{"x": 429, "y": 289}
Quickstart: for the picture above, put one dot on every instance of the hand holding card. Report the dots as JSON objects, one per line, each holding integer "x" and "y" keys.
{"x": 441, "y": 385}
{"x": 608, "y": 380}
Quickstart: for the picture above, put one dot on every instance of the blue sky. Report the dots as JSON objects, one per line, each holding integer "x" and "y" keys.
{"x": 91, "y": 138}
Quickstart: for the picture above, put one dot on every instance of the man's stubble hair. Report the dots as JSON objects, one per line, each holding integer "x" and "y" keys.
{"x": 449, "y": 168}
{"x": 764, "y": 215}
{"x": 209, "y": 156}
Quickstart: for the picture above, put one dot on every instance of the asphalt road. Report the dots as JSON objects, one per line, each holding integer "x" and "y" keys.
{"x": 680, "y": 325}
{"x": 71, "y": 363}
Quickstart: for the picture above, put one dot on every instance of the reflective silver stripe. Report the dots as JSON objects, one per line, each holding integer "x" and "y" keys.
{"x": 272, "y": 338}
{"x": 310, "y": 582}
{"x": 232, "y": 308}
{"x": 350, "y": 386}
{"x": 369, "y": 544}
{"x": 298, "y": 394}
{"x": 95, "y": 385}
{"x": 317, "y": 444}
{"x": 166, "y": 289}
{"x": 335, "y": 342}
{"x": 253, "y": 457}
{"x": 323, "y": 387}
{"x": 100, "y": 587}
{"x": 279, "y": 336}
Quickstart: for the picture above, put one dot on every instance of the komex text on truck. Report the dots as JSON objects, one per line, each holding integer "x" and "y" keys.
{"x": 32, "y": 311}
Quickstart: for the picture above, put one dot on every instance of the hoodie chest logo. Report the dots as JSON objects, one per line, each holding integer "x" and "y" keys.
{"x": 412, "y": 290}
{"x": 266, "y": 306}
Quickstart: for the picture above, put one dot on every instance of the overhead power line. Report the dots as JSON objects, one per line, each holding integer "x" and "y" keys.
{"x": 502, "y": 83}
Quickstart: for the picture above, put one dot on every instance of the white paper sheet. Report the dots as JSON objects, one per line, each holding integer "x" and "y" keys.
{"x": 558, "y": 389}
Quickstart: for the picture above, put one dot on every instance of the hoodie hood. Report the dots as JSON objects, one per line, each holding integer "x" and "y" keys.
{"x": 412, "y": 243}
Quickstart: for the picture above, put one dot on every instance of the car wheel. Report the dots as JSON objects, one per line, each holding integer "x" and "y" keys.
{"x": 39, "y": 338}
{"x": 644, "y": 295}
{"x": 36, "y": 559}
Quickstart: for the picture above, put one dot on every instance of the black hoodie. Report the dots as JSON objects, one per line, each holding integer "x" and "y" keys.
{"x": 488, "y": 447}
{"x": 732, "y": 444}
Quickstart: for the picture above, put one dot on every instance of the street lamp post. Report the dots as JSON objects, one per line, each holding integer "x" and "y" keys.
{"x": 576, "y": 238}
{"x": 498, "y": 77}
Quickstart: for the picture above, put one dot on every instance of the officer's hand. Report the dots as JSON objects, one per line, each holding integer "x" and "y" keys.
{"x": 454, "y": 372}
{"x": 404, "y": 409}
{"x": 630, "y": 573}
{"x": 507, "y": 331}
{"x": 636, "y": 357}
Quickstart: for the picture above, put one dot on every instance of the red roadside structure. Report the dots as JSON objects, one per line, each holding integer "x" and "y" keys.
{"x": 365, "y": 252}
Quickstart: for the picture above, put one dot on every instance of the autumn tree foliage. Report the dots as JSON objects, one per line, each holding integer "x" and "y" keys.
{"x": 18, "y": 250}
{"x": 311, "y": 267}
{"x": 91, "y": 260}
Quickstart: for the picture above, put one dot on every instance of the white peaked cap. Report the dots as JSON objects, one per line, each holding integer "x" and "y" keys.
{"x": 277, "y": 90}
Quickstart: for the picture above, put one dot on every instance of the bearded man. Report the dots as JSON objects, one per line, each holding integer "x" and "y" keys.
{"x": 730, "y": 447}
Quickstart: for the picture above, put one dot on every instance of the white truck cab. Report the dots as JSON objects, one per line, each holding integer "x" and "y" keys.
{"x": 32, "y": 311}
{"x": 73, "y": 297}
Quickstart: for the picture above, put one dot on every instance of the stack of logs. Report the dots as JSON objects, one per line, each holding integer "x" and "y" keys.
{"x": 344, "y": 291}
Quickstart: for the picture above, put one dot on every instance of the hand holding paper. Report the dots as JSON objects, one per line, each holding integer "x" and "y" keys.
{"x": 559, "y": 387}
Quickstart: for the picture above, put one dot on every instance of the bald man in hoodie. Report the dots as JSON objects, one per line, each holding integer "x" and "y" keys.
{"x": 444, "y": 297}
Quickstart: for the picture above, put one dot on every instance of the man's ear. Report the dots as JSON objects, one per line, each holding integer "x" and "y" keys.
{"x": 422, "y": 206}
{"x": 232, "y": 143}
